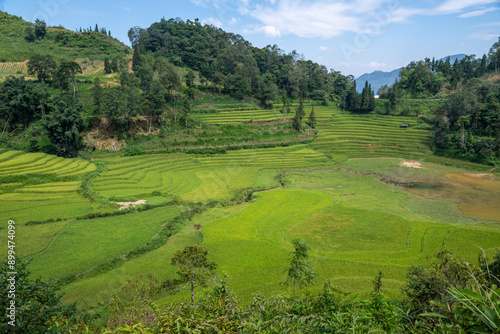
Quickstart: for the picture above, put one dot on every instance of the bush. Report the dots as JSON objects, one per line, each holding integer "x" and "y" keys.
{"x": 132, "y": 150}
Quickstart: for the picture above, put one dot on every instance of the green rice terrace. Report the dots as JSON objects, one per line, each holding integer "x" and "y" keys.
{"x": 96, "y": 223}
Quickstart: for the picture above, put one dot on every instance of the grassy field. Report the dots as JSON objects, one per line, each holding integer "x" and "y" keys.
{"x": 198, "y": 178}
{"x": 349, "y": 245}
{"x": 238, "y": 116}
{"x": 350, "y": 135}
{"x": 38, "y": 186}
{"x": 340, "y": 194}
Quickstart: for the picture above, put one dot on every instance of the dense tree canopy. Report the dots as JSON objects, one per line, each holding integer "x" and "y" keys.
{"x": 21, "y": 101}
{"x": 423, "y": 79}
{"x": 63, "y": 126}
{"x": 230, "y": 61}
{"x": 468, "y": 126}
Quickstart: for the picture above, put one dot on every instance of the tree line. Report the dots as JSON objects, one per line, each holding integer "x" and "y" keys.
{"x": 229, "y": 61}
{"x": 468, "y": 125}
{"x": 426, "y": 78}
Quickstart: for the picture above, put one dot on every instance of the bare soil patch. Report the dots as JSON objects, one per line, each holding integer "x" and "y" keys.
{"x": 480, "y": 175}
{"x": 126, "y": 205}
{"x": 411, "y": 164}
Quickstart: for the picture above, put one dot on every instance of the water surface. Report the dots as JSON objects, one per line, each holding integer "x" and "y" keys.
{"x": 477, "y": 195}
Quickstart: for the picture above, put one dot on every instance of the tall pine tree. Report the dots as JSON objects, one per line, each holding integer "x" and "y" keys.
{"x": 312, "y": 118}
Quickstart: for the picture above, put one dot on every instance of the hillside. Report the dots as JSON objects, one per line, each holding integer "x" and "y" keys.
{"x": 58, "y": 41}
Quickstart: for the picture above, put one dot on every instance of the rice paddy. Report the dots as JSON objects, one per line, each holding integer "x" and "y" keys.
{"x": 259, "y": 115}
{"x": 355, "y": 223}
{"x": 353, "y": 136}
{"x": 199, "y": 178}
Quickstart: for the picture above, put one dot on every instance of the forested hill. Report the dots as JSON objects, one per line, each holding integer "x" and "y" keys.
{"x": 229, "y": 60}
{"x": 19, "y": 40}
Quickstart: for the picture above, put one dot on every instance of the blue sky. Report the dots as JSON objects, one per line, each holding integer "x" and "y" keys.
{"x": 353, "y": 37}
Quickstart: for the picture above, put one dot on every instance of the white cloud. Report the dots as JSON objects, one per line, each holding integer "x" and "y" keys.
{"x": 314, "y": 19}
{"x": 455, "y": 6}
{"x": 233, "y": 21}
{"x": 489, "y": 24}
{"x": 328, "y": 18}
{"x": 483, "y": 36}
{"x": 323, "y": 48}
{"x": 213, "y": 21}
{"x": 476, "y": 13}
{"x": 374, "y": 64}
{"x": 271, "y": 31}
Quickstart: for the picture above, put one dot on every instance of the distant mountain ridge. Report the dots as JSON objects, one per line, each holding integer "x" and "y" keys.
{"x": 379, "y": 78}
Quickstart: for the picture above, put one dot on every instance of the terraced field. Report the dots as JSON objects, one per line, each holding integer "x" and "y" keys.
{"x": 200, "y": 178}
{"x": 38, "y": 186}
{"x": 241, "y": 116}
{"x": 18, "y": 163}
{"x": 354, "y": 223}
{"x": 259, "y": 115}
{"x": 352, "y": 136}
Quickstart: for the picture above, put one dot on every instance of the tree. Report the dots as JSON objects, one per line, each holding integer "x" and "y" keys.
{"x": 155, "y": 102}
{"x": 267, "y": 91}
{"x": 40, "y": 28}
{"x": 190, "y": 78}
{"x": 186, "y": 106}
{"x": 63, "y": 127}
{"x": 43, "y": 66}
{"x": 219, "y": 80}
{"x": 300, "y": 109}
{"x": 29, "y": 34}
{"x": 299, "y": 271}
{"x": 312, "y": 118}
{"x": 20, "y": 100}
{"x": 38, "y": 303}
{"x": 494, "y": 54}
{"x": 134, "y": 34}
{"x": 194, "y": 267}
{"x": 136, "y": 59}
{"x": 66, "y": 72}
{"x": 107, "y": 66}
{"x": 97, "y": 93}
{"x": 167, "y": 74}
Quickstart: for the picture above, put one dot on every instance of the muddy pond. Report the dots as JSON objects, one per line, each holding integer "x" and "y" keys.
{"x": 477, "y": 195}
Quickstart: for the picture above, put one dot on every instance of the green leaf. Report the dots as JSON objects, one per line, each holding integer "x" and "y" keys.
{"x": 471, "y": 294}
{"x": 433, "y": 315}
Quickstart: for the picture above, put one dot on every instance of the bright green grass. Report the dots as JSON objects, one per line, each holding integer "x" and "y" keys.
{"x": 349, "y": 245}
{"x": 18, "y": 163}
{"x": 57, "y": 187}
{"x": 368, "y": 192}
{"x": 100, "y": 288}
{"x": 356, "y": 225}
{"x": 241, "y": 116}
{"x": 201, "y": 178}
{"x": 26, "y": 200}
{"x": 85, "y": 244}
{"x": 258, "y": 115}
{"x": 349, "y": 135}
{"x": 31, "y": 240}
{"x": 24, "y": 207}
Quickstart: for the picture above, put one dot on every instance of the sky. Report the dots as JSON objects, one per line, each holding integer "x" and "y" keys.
{"x": 353, "y": 37}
